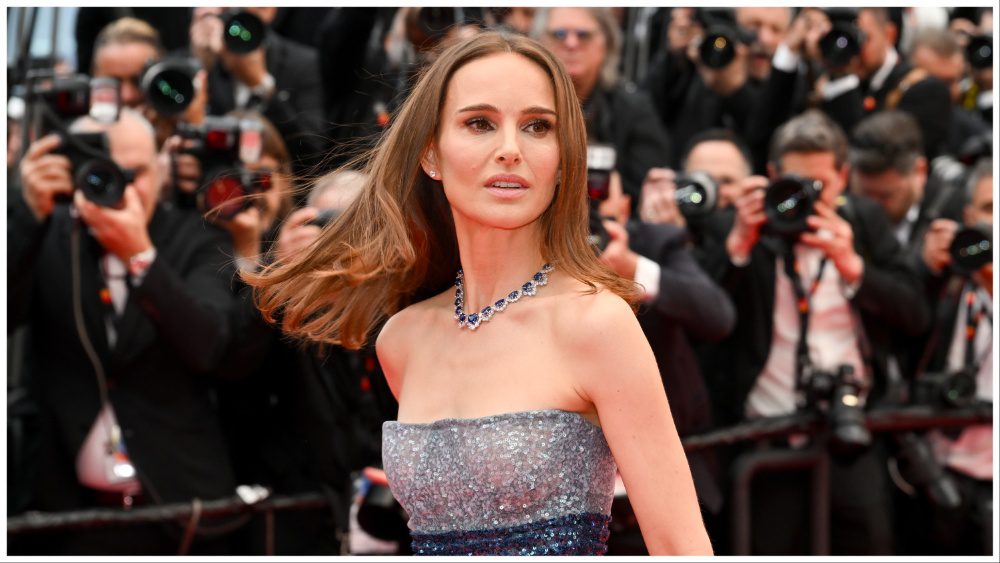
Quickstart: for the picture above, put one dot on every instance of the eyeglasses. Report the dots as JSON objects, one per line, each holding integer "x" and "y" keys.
{"x": 582, "y": 35}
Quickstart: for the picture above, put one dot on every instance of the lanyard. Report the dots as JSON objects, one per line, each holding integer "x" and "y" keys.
{"x": 793, "y": 268}
{"x": 973, "y": 316}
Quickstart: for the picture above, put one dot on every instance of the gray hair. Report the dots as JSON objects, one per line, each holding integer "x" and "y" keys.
{"x": 348, "y": 183}
{"x": 87, "y": 124}
{"x": 812, "y": 131}
{"x": 982, "y": 169}
{"x": 609, "y": 29}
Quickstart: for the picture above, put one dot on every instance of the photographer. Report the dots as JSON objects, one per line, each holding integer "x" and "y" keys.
{"x": 588, "y": 41}
{"x": 278, "y": 77}
{"x": 961, "y": 341}
{"x": 692, "y": 93}
{"x": 825, "y": 293}
{"x": 128, "y": 313}
{"x": 681, "y": 304}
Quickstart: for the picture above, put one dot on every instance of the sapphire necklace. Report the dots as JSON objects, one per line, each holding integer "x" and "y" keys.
{"x": 473, "y": 320}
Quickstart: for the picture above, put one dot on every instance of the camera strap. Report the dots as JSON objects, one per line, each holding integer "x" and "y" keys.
{"x": 793, "y": 269}
{"x": 974, "y": 314}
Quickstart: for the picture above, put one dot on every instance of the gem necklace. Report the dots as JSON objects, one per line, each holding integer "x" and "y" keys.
{"x": 473, "y": 320}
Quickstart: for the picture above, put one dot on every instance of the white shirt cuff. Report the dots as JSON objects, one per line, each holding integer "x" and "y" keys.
{"x": 985, "y": 100}
{"x": 842, "y": 85}
{"x": 784, "y": 59}
{"x": 647, "y": 275}
{"x": 247, "y": 265}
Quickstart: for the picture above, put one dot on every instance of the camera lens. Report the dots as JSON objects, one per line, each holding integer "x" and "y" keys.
{"x": 980, "y": 51}
{"x": 696, "y": 194}
{"x": 788, "y": 202}
{"x": 839, "y": 45}
{"x": 971, "y": 249}
{"x": 717, "y": 49}
{"x": 169, "y": 87}
{"x": 243, "y": 32}
{"x": 101, "y": 181}
{"x": 225, "y": 195}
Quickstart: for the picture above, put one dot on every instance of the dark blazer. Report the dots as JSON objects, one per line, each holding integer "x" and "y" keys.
{"x": 849, "y": 108}
{"x": 296, "y": 108}
{"x": 174, "y": 328}
{"x": 889, "y": 300}
{"x": 624, "y": 117}
{"x": 689, "y": 304}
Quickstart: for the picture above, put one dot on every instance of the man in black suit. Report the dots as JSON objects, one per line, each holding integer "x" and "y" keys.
{"x": 961, "y": 339}
{"x": 849, "y": 271}
{"x": 280, "y": 79}
{"x": 128, "y": 309}
{"x": 681, "y": 304}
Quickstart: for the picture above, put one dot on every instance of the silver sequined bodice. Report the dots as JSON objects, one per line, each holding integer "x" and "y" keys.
{"x": 498, "y": 471}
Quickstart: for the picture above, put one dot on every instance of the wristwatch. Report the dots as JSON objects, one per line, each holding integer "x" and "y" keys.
{"x": 139, "y": 263}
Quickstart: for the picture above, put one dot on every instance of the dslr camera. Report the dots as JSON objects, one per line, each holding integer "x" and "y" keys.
{"x": 971, "y": 249}
{"x": 223, "y": 145}
{"x": 696, "y": 194}
{"x": 944, "y": 390}
{"x": 242, "y": 32}
{"x": 718, "y": 46}
{"x": 600, "y": 164}
{"x": 843, "y": 41}
{"x": 837, "y": 394}
{"x": 100, "y": 179}
{"x": 169, "y": 84}
{"x": 979, "y": 51}
{"x": 788, "y": 201}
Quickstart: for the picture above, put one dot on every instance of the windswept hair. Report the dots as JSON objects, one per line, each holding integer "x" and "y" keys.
{"x": 396, "y": 245}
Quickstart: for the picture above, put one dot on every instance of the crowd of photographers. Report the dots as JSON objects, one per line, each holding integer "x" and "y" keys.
{"x": 804, "y": 195}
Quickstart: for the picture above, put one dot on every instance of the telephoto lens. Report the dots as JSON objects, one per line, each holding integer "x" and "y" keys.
{"x": 840, "y": 45}
{"x": 717, "y": 48}
{"x": 242, "y": 32}
{"x": 696, "y": 194}
{"x": 169, "y": 84}
{"x": 849, "y": 434}
{"x": 979, "y": 51}
{"x": 788, "y": 201}
{"x": 971, "y": 249}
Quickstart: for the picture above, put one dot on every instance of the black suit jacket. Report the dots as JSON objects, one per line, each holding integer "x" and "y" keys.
{"x": 173, "y": 330}
{"x": 889, "y": 300}
{"x": 296, "y": 108}
{"x": 849, "y": 108}
{"x": 689, "y": 304}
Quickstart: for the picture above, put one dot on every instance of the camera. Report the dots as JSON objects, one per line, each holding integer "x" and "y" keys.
{"x": 948, "y": 389}
{"x": 242, "y": 32}
{"x": 971, "y": 249}
{"x": 600, "y": 164}
{"x": 169, "y": 84}
{"x": 718, "y": 46}
{"x": 696, "y": 194}
{"x": 921, "y": 470}
{"x": 979, "y": 51}
{"x": 223, "y": 145}
{"x": 789, "y": 200}
{"x": 837, "y": 394}
{"x": 843, "y": 41}
{"x": 100, "y": 179}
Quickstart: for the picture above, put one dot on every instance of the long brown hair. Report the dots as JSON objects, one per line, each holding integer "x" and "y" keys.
{"x": 395, "y": 245}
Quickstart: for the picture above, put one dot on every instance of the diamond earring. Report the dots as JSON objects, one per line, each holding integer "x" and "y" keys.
{"x": 433, "y": 174}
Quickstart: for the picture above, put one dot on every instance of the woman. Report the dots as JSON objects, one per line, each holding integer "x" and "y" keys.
{"x": 510, "y": 423}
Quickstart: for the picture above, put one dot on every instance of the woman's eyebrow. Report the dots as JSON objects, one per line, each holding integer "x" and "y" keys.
{"x": 493, "y": 109}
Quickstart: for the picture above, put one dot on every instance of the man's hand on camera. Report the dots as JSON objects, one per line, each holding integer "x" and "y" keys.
{"x": 205, "y": 35}
{"x": 657, "y": 204}
{"x": 835, "y": 237}
{"x": 750, "y": 217}
{"x": 187, "y": 167}
{"x": 44, "y": 176}
{"x": 296, "y": 234}
{"x": 617, "y": 255}
{"x": 121, "y": 231}
{"x": 805, "y": 32}
{"x": 246, "y": 228}
{"x": 937, "y": 244}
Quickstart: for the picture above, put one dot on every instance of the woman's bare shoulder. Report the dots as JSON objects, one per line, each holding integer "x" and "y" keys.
{"x": 400, "y": 331}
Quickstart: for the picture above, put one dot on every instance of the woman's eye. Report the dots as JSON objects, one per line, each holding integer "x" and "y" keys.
{"x": 539, "y": 126}
{"x": 479, "y": 124}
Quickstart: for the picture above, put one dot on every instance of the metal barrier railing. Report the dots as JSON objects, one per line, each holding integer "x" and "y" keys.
{"x": 878, "y": 420}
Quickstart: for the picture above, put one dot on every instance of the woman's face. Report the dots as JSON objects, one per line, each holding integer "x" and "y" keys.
{"x": 497, "y": 150}
{"x": 575, "y": 37}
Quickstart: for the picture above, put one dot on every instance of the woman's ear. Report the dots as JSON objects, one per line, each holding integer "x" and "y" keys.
{"x": 429, "y": 162}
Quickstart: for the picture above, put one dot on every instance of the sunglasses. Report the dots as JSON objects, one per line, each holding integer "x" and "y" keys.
{"x": 582, "y": 35}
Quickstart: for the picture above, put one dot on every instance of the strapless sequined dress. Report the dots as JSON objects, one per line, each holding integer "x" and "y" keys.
{"x": 522, "y": 483}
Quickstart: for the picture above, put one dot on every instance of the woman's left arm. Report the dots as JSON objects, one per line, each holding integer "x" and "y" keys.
{"x": 617, "y": 373}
